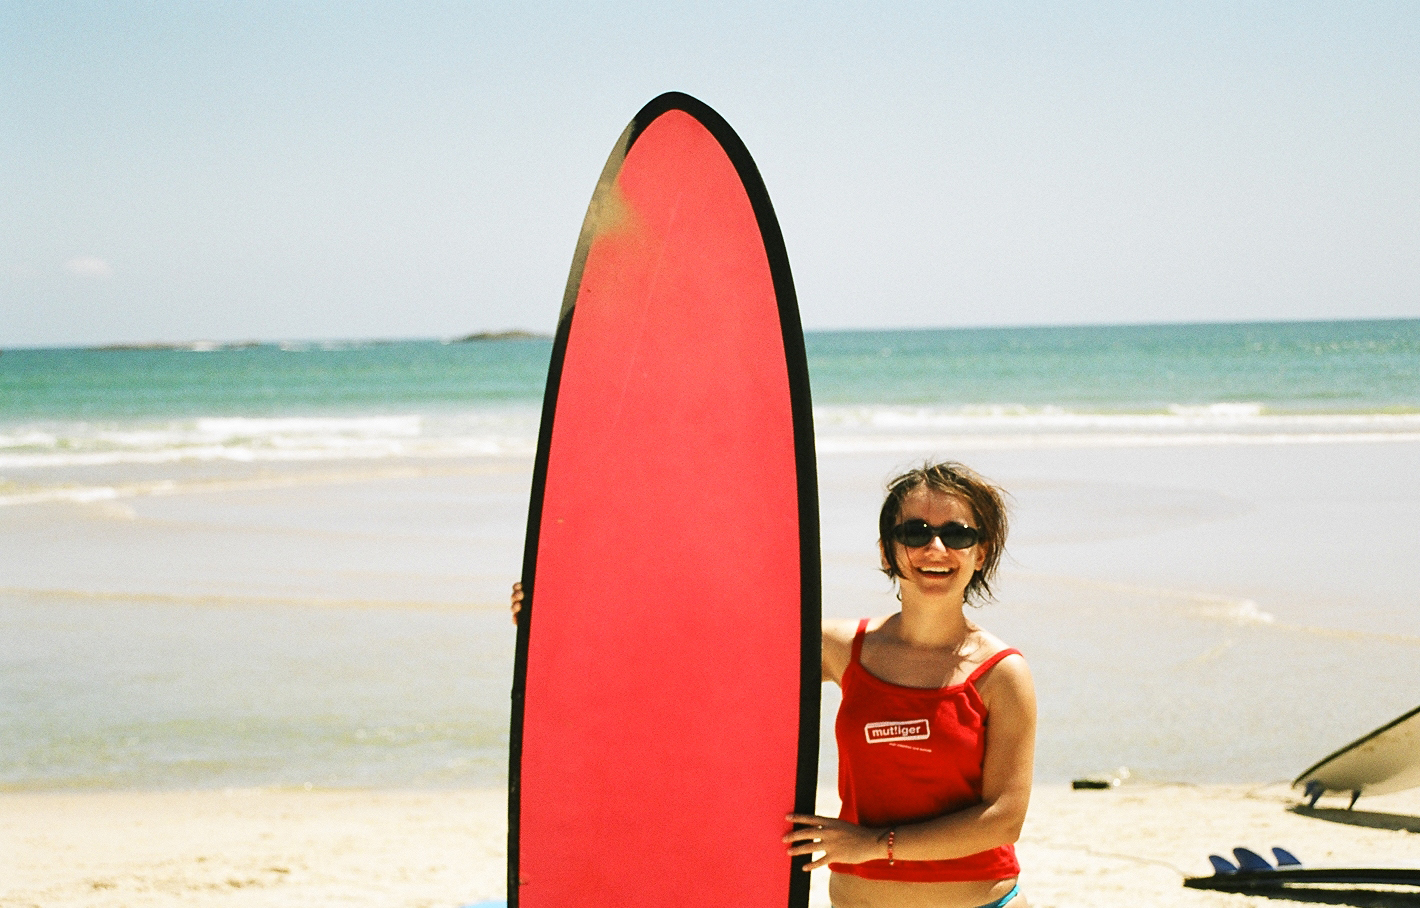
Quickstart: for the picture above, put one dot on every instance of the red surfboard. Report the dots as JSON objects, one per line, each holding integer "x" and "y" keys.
{"x": 666, "y": 687}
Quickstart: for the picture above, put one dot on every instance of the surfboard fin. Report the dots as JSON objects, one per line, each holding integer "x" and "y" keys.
{"x": 1251, "y": 860}
{"x": 1314, "y": 792}
{"x": 1354, "y": 795}
{"x": 1253, "y": 874}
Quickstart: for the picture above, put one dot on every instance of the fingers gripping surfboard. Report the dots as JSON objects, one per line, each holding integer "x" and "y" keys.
{"x": 666, "y": 688}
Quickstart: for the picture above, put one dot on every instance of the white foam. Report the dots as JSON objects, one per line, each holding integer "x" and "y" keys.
{"x": 840, "y": 429}
{"x": 1223, "y": 410}
{"x": 1015, "y": 442}
{"x": 512, "y": 431}
{"x": 405, "y": 426}
{"x": 252, "y": 439}
{"x": 1241, "y": 612}
{"x": 87, "y": 494}
{"x": 29, "y": 440}
{"x": 1176, "y": 417}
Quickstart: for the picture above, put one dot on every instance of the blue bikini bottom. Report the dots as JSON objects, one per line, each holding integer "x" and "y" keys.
{"x": 1015, "y": 890}
{"x": 998, "y": 903}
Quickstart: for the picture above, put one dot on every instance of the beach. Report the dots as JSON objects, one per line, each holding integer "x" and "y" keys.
{"x": 266, "y": 658}
{"x": 409, "y": 849}
{"x": 1209, "y": 690}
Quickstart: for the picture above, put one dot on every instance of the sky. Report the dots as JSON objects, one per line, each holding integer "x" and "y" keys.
{"x": 177, "y": 171}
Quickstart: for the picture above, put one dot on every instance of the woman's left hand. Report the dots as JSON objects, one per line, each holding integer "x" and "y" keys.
{"x": 840, "y": 842}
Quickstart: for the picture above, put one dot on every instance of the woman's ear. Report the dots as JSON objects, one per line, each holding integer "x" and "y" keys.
{"x": 882, "y": 556}
{"x": 980, "y": 556}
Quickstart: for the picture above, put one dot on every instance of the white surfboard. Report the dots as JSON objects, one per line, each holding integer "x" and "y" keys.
{"x": 1384, "y": 761}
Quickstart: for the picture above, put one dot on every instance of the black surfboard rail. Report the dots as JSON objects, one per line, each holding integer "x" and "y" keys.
{"x": 1253, "y": 880}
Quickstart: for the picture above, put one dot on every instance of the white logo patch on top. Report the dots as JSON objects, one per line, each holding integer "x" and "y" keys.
{"x": 889, "y": 732}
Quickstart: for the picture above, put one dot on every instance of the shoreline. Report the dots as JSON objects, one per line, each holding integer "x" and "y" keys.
{"x": 1130, "y": 845}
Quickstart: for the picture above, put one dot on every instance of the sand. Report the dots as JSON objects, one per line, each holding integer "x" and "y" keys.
{"x": 252, "y": 847}
{"x": 1131, "y": 845}
{"x": 1134, "y": 845}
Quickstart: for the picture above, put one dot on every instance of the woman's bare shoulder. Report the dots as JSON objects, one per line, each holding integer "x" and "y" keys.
{"x": 1009, "y": 677}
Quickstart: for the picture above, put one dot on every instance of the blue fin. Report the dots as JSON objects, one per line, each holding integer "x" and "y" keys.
{"x": 1221, "y": 865}
{"x": 1285, "y": 858}
{"x": 1251, "y": 860}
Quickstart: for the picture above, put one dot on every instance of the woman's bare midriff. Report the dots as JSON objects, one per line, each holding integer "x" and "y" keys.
{"x": 848, "y": 891}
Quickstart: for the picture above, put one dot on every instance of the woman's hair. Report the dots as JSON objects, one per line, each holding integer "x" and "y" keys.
{"x": 985, "y": 499}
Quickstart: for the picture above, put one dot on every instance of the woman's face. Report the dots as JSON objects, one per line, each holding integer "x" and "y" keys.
{"x": 934, "y": 569}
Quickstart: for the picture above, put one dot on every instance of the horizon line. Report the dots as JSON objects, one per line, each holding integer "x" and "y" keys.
{"x": 207, "y": 344}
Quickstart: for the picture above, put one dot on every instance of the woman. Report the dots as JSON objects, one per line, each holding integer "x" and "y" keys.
{"x": 932, "y": 802}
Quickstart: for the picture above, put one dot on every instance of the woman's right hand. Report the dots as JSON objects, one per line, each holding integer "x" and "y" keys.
{"x": 517, "y": 601}
{"x": 845, "y": 843}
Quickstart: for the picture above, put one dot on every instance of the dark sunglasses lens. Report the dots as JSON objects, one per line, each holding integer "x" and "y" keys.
{"x": 914, "y": 533}
{"x": 956, "y": 536}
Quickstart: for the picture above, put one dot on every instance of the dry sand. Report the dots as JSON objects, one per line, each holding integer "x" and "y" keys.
{"x": 1129, "y": 846}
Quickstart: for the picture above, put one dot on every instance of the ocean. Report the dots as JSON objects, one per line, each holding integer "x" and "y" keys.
{"x": 344, "y": 401}
{"x": 286, "y": 564}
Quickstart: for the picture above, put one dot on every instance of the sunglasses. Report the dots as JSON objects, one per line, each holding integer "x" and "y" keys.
{"x": 918, "y": 533}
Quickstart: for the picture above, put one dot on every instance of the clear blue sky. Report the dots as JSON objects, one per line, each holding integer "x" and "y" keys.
{"x": 193, "y": 170}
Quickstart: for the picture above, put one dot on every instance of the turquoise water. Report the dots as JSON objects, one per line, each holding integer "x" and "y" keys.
{"x": 268, "y": 379}
{"x": 1350, "y": 367}
{"x": 872, "y": 390}
{"x": 1300, "y": 367}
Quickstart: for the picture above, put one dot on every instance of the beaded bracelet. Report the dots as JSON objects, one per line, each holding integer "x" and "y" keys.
{"x": 892, "y": 835}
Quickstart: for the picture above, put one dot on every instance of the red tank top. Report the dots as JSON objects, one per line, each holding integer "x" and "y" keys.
{"x": 907, "y": 754}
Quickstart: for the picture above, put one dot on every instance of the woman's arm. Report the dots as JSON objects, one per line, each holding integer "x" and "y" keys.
{"x": 837, "y": 648}
{"x": 1006, "y": 772}
{"x": 1005, "y": 792}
